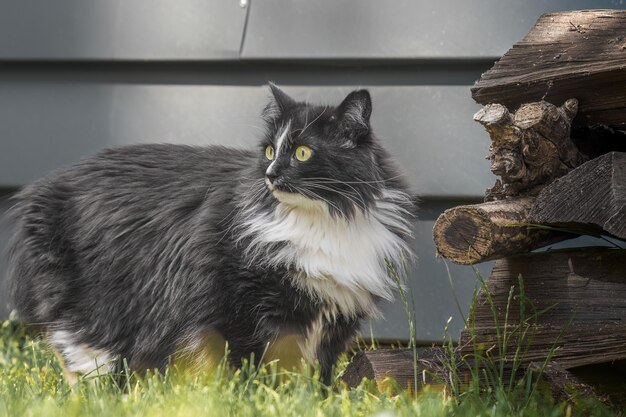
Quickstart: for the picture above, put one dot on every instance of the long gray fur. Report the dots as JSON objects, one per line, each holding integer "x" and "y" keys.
{"x": 137, "y": 249}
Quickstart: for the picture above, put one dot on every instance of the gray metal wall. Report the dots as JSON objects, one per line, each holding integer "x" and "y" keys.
{"x": 79, "y": 76}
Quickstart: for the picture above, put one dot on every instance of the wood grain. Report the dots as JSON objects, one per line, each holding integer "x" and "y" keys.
{"x": 592, "y": 196}
{"x": 480, "y": 232}
{"x": 582, "y": 293}
{"x": 397, "y": 365}
{"x": 579, "y": 54}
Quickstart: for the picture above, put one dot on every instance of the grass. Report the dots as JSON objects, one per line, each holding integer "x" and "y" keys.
{"x": 31, "y": 384}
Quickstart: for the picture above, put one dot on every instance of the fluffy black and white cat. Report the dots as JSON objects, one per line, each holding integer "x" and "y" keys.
{"x": 147, "y": 251}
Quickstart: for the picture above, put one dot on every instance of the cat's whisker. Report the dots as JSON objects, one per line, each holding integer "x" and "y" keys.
{"x": 346, "y": 183}
{"x": 352, "y": 192}
{"x": 306, "y": 125}
{"x": 318, "y": 197}
{"x": 344, "y": 194}
{"x": 256, "y": 127}
{"x": 355, "y": 198}
{"x": 358, "y": 182}
{"x": 254, "y": 180}
{"x": 355, "y": 191}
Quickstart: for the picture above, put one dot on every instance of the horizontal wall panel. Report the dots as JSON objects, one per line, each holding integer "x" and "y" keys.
{"x": 120, "y": 30}
{"x": 295, "y": 29}
{"x": 248, "y": 73}
{"x": 395, "y": 28}
{"x": 45, "y": 125}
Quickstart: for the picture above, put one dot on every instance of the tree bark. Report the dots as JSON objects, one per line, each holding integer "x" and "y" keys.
{"x": 529, "y": 148}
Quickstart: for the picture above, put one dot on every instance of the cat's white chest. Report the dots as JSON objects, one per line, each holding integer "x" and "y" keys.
{"x": 343, "y": 262}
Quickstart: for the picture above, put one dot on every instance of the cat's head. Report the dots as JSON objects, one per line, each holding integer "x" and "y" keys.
{"x": 315, "y": 155}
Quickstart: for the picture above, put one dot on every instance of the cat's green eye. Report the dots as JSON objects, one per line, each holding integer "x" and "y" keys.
{"x": 269, "y": 152}
{"x": 303, "y": 153}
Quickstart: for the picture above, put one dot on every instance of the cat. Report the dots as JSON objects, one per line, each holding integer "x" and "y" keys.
{"x": 146, "y": 252}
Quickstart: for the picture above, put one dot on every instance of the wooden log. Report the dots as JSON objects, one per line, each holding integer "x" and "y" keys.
{"x": 476, "y": 233}
{"x": 607, "y": 381}
{"x": 391, "y": 368}
{"x": 572, "y": 310}
{"x": 577, "y": 54}
{"x": 591, "y": 196}
{"x": 385, "y": 365}
{"x": 582, "y": 293}
{"x": 395, "y": 369}
{"x": 529, "y": 148}
{"x": 563, "y": 384}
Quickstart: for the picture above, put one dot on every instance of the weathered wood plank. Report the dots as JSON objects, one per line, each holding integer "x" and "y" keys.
{"x": 480, "y": 232}
{"x": 582, "y": 293}
{"x": 594, "y": 194}
{"x": 391, "y": 368}
{"x": 579, "y": 54}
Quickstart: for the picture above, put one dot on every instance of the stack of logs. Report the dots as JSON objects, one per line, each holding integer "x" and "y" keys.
{"x": 555, "y": 110}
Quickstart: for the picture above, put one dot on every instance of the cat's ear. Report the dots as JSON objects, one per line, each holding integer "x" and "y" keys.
{"x": 353, "y": 115}
{"x": 281, "y": 101}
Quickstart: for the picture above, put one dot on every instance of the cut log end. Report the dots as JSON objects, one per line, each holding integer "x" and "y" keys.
{"x": 492, "y": 114}
{"x": 462, "y": 234}
{"x": 476, "y": 233}
{"x": 360, "y": 367}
